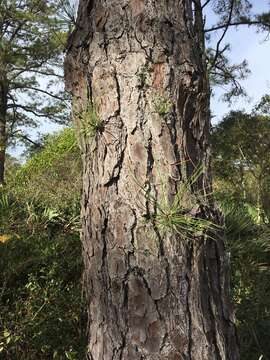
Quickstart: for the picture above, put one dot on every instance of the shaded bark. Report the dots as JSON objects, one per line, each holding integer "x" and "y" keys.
{"x": 152, "y": 295}
{"x": 3, "y": 114}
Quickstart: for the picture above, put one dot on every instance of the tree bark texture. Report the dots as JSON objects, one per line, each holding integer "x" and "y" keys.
{"x": 3, "y": 114}
{"x": 138, "y": 65}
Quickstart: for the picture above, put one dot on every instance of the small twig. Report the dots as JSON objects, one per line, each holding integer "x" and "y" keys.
{"x": 223, "y": 34}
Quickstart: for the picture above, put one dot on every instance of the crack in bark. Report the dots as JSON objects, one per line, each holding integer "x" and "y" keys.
{"x": 150, "y": 158}
{"x": 117, "y": 167}
{"x": 210, "y": 302}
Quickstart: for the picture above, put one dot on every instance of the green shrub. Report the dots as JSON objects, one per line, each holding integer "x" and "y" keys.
{"x": 42, "y": 308}
{"x": 42, "y": 313}
{"x": 52, "y": 177}
{"x": 249, "y": 246}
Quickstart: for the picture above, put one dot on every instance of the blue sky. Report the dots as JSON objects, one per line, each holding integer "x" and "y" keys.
{"x": 247, "y": 44}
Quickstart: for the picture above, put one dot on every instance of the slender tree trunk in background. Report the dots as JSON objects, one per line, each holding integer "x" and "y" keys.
{"x": 139, "y": 65}
{"x": 3, "y": 114}
{"x": 2, "y": 151}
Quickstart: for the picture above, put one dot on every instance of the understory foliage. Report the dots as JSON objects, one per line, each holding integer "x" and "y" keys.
{"x": 42, "y": 307}
{"x": 249, "y": 247}
{"x": 241, "y": 172}
{"x": 241, "y": 143}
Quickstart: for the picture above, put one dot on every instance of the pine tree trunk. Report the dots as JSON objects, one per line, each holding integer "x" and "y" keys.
{"x": 141, "y": 106}
{"x": 3, "y": 114}
{"x": 2, "y": 152}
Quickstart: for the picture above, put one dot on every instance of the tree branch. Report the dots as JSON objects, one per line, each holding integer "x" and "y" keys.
{"x": 223, "y": 34}
{"x": 27, "y": 109}
{"x": 39, "y": 90}
{"x": 32, "y": 70}
{"x": 237, "y": 23}
{"x": 205, "y": 4}
{"x": 25, "y": 137}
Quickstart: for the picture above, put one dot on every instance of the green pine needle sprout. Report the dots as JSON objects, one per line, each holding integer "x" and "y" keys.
{"x": 91, "y": 123}
{"x": 180, "y": 215}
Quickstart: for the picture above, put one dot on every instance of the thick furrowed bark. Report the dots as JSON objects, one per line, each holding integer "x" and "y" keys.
{"x": 152, "y": 294}
{"x": 3, "y": 112}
